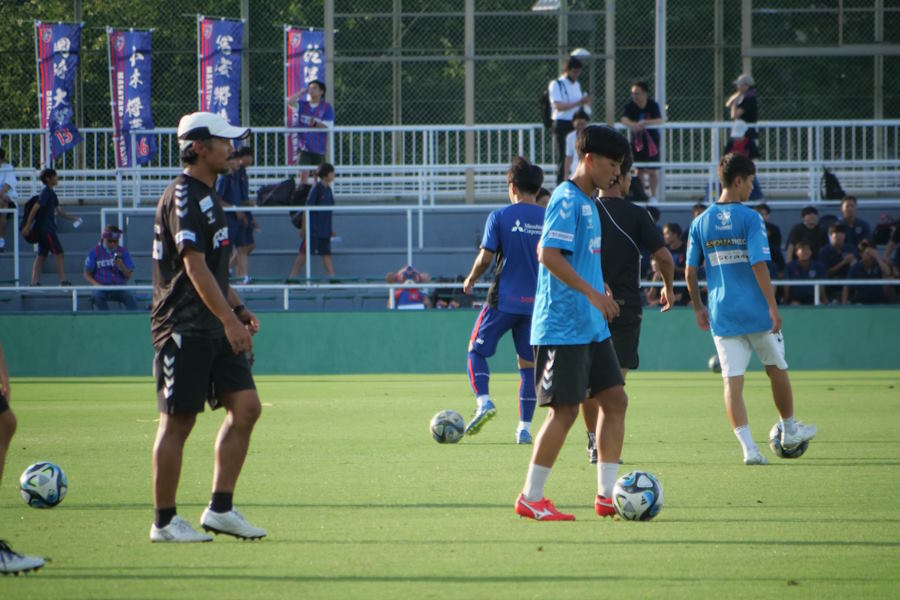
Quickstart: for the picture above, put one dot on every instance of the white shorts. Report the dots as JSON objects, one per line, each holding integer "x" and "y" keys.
{"x": 735, "y": 351}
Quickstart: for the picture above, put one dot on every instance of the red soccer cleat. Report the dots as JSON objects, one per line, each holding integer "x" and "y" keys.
{"x": 604, "y": 507}
{"x": 542, "y": 510}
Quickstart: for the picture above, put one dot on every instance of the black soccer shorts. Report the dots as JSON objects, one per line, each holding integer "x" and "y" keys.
{"x": 626, "y": 335}
{"x": 568, "y": 374}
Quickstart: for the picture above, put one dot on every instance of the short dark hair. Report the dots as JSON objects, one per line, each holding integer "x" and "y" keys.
{"x": 319, "y": 83}
{"x": 46, "y": 174}
{"x": 573, "y": 63}
{"x": 602, "y": 140}
{"x": 627, "y": 163}
{"x": 673, "y": 227}
{"x": 525, "y": 176}
{"x": 543, "y": 192}
{"x": 802, "y": 244}
{"x": 809, "y": 210}
{"x": 640, "y": 84}
{"x": 581, "y": 114}
{"x": 244, "y": 151}
{"x": 837, "y": 228}
{"x": 699, "y": 206}
{"x": 324, "y": 170}
{"x": 735, "y": 165}
{"x": 763, "y": 207}
{"x": 848, "y": 198}
{"x": 189, "y": 154}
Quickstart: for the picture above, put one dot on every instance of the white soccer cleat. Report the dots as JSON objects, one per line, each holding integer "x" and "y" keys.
{"x": 804, "y": 433}
{"x": 178, "y": 530}
{"x": 230, "y": 523}
{"x": 755, "y": 457}
{"x": 14, "y": 563}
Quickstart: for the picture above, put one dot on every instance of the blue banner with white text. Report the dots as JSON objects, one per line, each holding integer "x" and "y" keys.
{"x": 130, "y": 68}
{"x": 221, "y": 46}
{"x": 58, "y": 49}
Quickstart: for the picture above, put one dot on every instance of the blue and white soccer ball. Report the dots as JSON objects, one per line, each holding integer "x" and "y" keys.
{"x": 775, "y": 444}
{"x": 714, "y": 365}
{"x": 43, "y": 485}
{"x": 447, "y": 427}
{"x": 637, "y": 496}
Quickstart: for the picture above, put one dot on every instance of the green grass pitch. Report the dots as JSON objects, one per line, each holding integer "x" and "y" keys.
{"x": 360, "y": 502}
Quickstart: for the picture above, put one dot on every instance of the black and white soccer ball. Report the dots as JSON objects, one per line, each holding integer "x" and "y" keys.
{"x": 714, "y": 365}
{"x": 447, "y": 427}
{"x": 43, "y": 485}
{"x": 775, "y": 444}
{"x": 637, "y": 496}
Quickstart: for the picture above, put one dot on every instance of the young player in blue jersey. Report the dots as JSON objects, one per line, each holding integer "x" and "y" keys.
{"x": 742, "y": 315}
{"x": 574, "y": 355}
{"x": 511, "y": 233}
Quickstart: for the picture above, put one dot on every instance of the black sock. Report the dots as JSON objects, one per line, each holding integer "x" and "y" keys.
{"x": 164, "y": 516}
{"x": 221, "y": 502}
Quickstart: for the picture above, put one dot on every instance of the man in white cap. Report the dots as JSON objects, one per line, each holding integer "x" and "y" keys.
{"x": 201, "y": 332}
{"x": 744, "y": 109}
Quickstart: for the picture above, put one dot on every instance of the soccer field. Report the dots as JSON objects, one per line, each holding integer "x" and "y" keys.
{"x": 360, "y": 502}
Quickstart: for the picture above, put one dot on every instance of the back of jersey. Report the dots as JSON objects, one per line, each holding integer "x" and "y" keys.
{"x": 513, "y": 233}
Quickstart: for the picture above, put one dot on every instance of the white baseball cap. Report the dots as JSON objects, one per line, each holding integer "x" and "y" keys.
{"x": 204, "y": 125}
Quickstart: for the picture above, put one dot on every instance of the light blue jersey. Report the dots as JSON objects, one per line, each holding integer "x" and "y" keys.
{"x": 563, "y": 316}
{"x": 732, "y": 237}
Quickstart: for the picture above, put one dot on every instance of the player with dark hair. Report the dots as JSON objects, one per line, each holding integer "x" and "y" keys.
{"x": 10, "y": 561}
{"x": 201, "y": 332}
{"x": 511, "y": 234}
{"x": 640, "y": 115}
{"x": 43, "y": 216}
{"x": 574, "y": 355}
{"x": 320, "y": 226}
{"x": 743, "y": 315}
{"x": 628, "y": 231}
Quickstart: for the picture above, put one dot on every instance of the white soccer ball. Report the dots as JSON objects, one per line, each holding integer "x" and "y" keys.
{"x": 43, "y": 485}
{"x": 775, "y": 444}
{"x": 447, "y": 427}
{"x": 714, "y": 365}
{"x": 637, "y": 496}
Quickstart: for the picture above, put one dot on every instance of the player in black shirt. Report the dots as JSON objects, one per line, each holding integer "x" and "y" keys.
{"x": 627, "y": 230}
{"x": 201, "y": 332}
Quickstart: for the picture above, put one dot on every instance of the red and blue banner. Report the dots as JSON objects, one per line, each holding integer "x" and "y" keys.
{"x": 130, "y": 68}
{"x": 58, "y": 47}
{"x": 220, "y": 48}
{"x": 304, "y": 61}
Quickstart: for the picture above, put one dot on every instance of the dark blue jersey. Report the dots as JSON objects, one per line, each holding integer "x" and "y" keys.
{"x": 45, "y": 220}
{"x": 512, "y": 233}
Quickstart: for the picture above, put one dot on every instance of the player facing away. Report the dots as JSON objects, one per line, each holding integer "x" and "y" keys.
{"x": 628, "y": 229}
{"x": 10, "y": 561}
{"x": 511, "y": 234}
{"x": 574, "y": 355}
{"x": 201, "y": 332}
{"x": 742, "y": 315}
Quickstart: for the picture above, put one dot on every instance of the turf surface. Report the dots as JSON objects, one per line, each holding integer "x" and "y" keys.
{"x": 360, "y": 502}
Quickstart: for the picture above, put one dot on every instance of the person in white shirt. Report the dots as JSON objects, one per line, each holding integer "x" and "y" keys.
{"x": 579, "y": 121}
{"x": 7, "y": 193}
{"x": 565, "y": 98}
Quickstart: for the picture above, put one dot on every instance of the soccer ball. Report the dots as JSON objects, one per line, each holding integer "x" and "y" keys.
{"x": 714, "y": 365}
{"x": 775, "y": 444}
{"x": 447, "y": 427}
{"x": 43, "y": 485}
{"x": 637, "y": 496}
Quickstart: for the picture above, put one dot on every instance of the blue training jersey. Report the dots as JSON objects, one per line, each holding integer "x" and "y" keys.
{"x": 562, "y": 315}
{"x": 512, "y": 233}
{"x": 732, "y": 238}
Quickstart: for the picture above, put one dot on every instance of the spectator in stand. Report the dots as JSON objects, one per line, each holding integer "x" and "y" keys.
{"x": 320, "y": 222}
{"x": 672, "y": 237}
{"x": 809, "y": 231}
{"x": 869, "y": 266}
{"x": 774, "y": 234}
{"x": 543, "y": 197}
{"x": 240, "y": 224}
{"x": 837, "y": 257}
{"x": 579, "y": 121}
{"x": 803, "y": 267}
{"x": 744, "y": 110}
{"x": 413, "y": 298}
{"x": 8, "y": 194}
{"x": 696, "y": 210}
{"x": 566, "y": 98}
{"x": 43, "y": 216}
{"x": 857, "y": 230}
{"x": 108, "y": 263}
{"x": 892, "y": 250}
{"x": 639, "y": 115}
{"x": 309, "y": 110}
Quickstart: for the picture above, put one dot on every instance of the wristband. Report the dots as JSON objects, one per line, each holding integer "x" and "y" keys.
{"x": 238, "y": 309}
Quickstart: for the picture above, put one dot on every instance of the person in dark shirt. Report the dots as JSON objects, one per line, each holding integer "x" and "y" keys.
{"x": 809, "y": 231}
{"x": 856, "y": 229}
{"x": 43, "y": 217}
{"x": 672, "y": 236}
{"x": 320, "y": 226}
{"x": 201, "y": 332}
{"x": 837, "y": 258}
{"x": 774, "y": 234}
{"x": 639, "y": 115}
{"x": 744, "y": 108}
{"x": 869, "y": 266}
{"x": 803, "y": 267}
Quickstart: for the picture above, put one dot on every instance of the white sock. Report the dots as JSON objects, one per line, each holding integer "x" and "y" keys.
{"x": 789, "y": 425}
{"x": 607, "y": 473}
{"x": 524, "y": 426}
{"x": 535, "y": 481}
{"x": 482, "y": 399}
{"x": 742, "y": 433}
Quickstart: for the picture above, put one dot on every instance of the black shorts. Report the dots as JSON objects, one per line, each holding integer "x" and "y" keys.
{"x": 643, "y": 156}
{"x": 191, "y": 370}
{"x": 568, "y": 374}
{"x": 626, "y": 335}
{"x": 49, "y": 242}
{"x": 4, "y": 405}
{"x": 310, "y": 158}
{"x": 320, "y": 246}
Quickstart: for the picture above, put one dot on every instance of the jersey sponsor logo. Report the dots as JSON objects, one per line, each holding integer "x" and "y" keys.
{"x": 728, "y": 257}
{"x": 594, "y": 244}
{"x": 726, "y": 242}
{"x": 529, "y": 228}
{"x": 724, "y": 218}
{"x": 206, "y": 204}
{"x": 185, "y": 234}
{"x": 157, "y": 250}
{"x": 220, "y": 238}
{"x": 560, "y": 235}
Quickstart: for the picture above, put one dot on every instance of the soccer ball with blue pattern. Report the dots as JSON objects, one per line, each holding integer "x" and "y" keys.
{"x": 775, "y": 444}
{"x": 43, "y": 485}
{"x": 637, "y": 496}
{"x": 447, "y": 427}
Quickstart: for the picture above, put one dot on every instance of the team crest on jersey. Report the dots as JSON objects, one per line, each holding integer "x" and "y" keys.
{"x": 594, "y": 244}
{"x": 586, "y": 210}
{"x": 206, "y": 204}
{"x": 724, "y": 218}
{"x": 212, "y": 219}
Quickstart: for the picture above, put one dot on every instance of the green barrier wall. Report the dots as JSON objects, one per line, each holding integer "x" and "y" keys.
{"x": 424, "y": 342}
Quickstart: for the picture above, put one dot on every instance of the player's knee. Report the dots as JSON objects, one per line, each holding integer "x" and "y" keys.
{"x": 246, "y": 412}
{"x": 178, "y": 425}
{"x": 8, "y": 425}
{"x": 614, "y": 401}
{"x": 564, "y": 414}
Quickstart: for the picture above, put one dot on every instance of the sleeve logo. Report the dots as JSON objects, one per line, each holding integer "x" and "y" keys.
{"x": 185, "y": 235}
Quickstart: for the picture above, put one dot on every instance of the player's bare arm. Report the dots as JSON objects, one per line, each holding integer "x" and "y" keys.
{"x": 666, "y": 265}
{"x": 479, "y": 267}
{"x": 761, "y": 272}
{"x": 245, "y": 315}
{"x": 4, "y": 377}
{"x": 553, "y": 259}
{"x": 700, "y": 312}
{"x": 206, "y": 286}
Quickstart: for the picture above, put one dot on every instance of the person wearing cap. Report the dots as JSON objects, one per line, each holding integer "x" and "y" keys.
{"x": 566, "y": 98}
{"x": 108, "y": 263}
{"x": 309, "y": 110}
{"x": 201, "y": 332}
{"x": 808, "y": 230}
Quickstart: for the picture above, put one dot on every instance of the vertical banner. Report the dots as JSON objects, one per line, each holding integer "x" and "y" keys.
{"x": 220, "y": 43}
{"x": 130, "y": 66}
{"x": 304, "y": 61}
{"x": 57, "y": 48}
